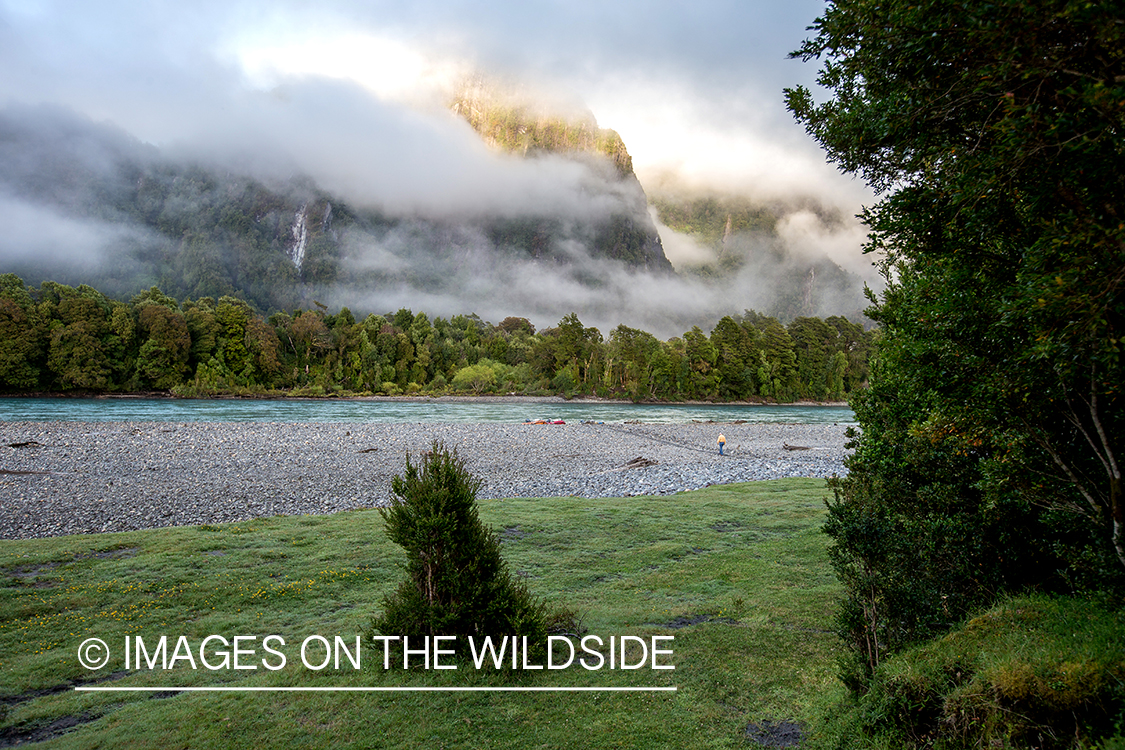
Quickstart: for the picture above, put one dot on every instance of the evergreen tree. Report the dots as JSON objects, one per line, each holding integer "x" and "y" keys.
{"x": 812, "y": 340}
{"x": 777, "y": 370}
{"x": 456, "y": 580}
{"x": 703, "y": 379}
{"x": 737, "y": 358}
{"x": 163, "y": 358}
{"x": 77, "y": 354}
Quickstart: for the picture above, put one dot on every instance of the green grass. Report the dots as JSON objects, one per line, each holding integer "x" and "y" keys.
{"x": 1032, "y": 671}
{"x": 745, "y": 563}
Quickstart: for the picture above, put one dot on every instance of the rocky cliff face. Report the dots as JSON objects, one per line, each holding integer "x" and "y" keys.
{"x": 512, "y": 119}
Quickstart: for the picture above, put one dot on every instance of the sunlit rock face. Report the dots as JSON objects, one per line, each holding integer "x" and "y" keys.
{"x": 513, "y": 119}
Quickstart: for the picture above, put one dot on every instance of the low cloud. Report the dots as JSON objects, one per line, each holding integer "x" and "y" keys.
{"x": 810, "y": 237}
{"x": 681, "y": 249}
{"x": 401, "y": 161}
{"x": 452, "y": 269}
{"x": 40, "y": 236}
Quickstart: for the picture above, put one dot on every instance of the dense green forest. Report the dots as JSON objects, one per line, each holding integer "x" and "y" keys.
{"x": 59, "y": 338}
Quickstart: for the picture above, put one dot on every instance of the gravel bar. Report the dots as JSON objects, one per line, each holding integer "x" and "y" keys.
{"x": 89, "y": 477}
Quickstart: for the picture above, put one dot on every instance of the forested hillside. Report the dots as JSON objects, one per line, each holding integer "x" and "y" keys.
{"x": 133, "y": 217}
{"x": 59, "y": 338}
{"x": 87, "y": 203}
{"x": 741, "y": 240}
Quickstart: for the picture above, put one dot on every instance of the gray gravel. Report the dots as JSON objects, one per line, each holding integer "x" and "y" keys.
{"x": 90, "y": 477}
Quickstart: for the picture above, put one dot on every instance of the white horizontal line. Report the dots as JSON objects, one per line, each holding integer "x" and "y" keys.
{"x": 376, "y": 689}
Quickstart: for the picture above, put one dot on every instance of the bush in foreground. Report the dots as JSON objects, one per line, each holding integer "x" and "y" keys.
{"x": 456, "y": 580}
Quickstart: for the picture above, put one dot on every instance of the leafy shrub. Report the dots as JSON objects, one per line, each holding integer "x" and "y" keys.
{"x": 478, "y": 378}
{"x": 564, "y": 382}
{"x": 917, "y": 542}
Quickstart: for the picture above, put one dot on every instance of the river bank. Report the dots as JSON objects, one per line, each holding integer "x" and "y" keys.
{"x": 89, "y": 477}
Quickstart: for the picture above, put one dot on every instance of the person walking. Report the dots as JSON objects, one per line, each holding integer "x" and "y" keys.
{"x": 722, "y": 442}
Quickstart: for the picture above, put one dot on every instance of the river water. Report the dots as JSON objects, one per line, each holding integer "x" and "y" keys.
{"x": 324, "y": 410}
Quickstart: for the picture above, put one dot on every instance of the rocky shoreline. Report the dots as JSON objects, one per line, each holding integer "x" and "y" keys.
{"x": 90, "y": 477}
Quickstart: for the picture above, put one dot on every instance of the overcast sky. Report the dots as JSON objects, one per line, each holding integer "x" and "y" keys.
{"x": 694, "y": 88}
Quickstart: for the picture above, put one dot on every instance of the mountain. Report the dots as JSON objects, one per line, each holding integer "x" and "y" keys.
{"x": 740, "y": 241}
{"x": 558, "y": 222}
{"x": 86, "y": 202}
{"x": 517, "y": 121}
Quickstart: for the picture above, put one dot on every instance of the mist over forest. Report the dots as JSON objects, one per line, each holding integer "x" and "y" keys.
{"x": 535, "y": 226}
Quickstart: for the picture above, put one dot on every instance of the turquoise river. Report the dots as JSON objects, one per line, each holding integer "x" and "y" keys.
{"x": 397, "y": 411}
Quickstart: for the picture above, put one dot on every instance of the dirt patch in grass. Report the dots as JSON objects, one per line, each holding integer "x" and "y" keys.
{"x": 110, "y": 554}
{"x": 11, "y": 700}
{"x": 775, "y": 734}
{"x": 684, "y": 621}
{"x": 22, "y": 734}
{"x": 13, "y": 736}
{"x": 31, "y": 571}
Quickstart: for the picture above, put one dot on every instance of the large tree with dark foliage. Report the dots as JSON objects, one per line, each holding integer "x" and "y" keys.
{"x": 990, "y": 456}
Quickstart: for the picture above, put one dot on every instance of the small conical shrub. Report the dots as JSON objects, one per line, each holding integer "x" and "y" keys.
{"x": 456, "y": 580}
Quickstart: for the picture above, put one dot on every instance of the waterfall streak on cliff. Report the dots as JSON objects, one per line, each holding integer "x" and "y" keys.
{"x": 300, "y": 235}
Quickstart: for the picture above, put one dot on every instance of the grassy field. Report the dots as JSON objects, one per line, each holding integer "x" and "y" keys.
{"x": 738, "y": 574}
{"x": 1032, "y": 671}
